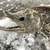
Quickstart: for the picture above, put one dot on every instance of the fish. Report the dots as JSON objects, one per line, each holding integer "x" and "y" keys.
{"x": 28, "y": 20}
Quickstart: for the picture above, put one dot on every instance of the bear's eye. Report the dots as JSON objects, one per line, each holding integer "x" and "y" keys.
{"x": 21, "y": 18}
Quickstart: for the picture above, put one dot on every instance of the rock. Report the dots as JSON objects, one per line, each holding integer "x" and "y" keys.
{"x": 24, "y": 25}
